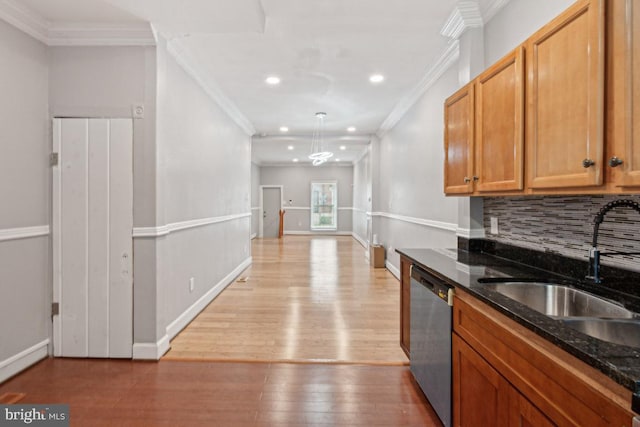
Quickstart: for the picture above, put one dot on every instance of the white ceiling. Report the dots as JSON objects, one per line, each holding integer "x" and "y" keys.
{"x": 324, "y": 52}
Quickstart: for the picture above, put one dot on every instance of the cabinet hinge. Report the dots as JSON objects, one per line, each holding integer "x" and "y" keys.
{"x": 53, "y": 159}
{"x": 55, "y": 309}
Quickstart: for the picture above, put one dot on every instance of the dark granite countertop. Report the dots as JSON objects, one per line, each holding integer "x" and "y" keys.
{"x": 463, "y": 269}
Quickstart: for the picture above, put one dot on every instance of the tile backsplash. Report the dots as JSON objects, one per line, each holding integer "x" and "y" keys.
{"x": 564, "y": 225}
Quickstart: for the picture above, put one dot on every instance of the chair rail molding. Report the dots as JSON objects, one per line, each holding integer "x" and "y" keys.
{"x": 164, "y": 230}
{"x": 24, "y": 232}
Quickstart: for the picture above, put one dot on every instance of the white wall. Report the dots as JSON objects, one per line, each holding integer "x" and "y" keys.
{"x": 411, "y": 158}
{"x": 296, "y": 182}
{"x": 25, "y": 279}
{"x": 203, "y": 170}
{"x": 514, "y": 23}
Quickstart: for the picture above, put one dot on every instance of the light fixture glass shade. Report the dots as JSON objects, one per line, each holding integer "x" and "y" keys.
{"x": 318, "y": 156}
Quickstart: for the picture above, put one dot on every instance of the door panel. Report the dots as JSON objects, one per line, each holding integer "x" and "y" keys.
{"x": 458, "y": 141}
{"x": 272, "y": 202}
{"x": 93, "y": 220}
{"x": 565, "y": 114}
{"x": 500, "y": 125}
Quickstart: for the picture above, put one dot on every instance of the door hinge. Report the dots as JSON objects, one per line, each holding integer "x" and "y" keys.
{"x": 55, "y": 309}
{"x": 53, "y": 159}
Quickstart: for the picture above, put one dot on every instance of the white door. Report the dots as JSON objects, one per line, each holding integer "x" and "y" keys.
{"x": 272, "y": 203}
{"x": 92, "y": 241}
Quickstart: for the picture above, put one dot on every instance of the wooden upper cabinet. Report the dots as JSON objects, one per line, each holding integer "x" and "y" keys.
{"x": 565, "y": 97}
{"x": 500, "y": 125}
{"x": 623, "y": 93}
{"x": 458, "y": 141}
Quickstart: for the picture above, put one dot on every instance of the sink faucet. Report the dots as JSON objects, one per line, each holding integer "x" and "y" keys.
{"x": 594, "y": 252}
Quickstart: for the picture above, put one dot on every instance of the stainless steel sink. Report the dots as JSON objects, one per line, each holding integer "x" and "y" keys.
{"x": 618, "y": 331}
{"x": 559, "y": 300}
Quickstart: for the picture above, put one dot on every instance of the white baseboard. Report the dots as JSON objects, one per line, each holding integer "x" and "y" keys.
{"x": 317, "y": 233}
{"x": 153, "y": 351}
{"x": 254, "y": 235}
{"x": 392, "y": 269}
{"x": 21, "y": 361}
{"x": 360, "y": 240}
{"x": 185, "y": 318}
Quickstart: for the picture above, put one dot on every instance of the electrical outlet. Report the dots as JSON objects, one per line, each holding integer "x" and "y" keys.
{"x": 192, "y": 284}
{"x": 494, "y": 225}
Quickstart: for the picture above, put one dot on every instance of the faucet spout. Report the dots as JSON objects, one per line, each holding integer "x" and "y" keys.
{"x": 594, "y": 252}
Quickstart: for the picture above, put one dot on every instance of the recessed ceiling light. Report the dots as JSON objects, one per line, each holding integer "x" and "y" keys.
{"x": 290, "y": 147}
{"x": 284, "y": 129}
{"x": 295, "y": 160}
{"x": 351, "y": 129}
{"x": 376, "y": 78}
{"x": 342, "y": 147}
{"x": 273, "y": 80}
{"x": 337, "y": 160}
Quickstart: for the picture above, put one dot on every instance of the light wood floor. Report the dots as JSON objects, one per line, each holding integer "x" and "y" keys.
{"x": 308, "y": 299}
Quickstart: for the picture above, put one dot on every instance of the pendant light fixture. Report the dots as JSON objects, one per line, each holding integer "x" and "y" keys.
{"x": 318, "y": 156}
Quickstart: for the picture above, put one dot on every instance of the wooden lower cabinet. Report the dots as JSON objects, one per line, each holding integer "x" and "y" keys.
{"x": 405, "y": 304}
{"x": 506, "y": 375}
{"x": 483, "y": 397}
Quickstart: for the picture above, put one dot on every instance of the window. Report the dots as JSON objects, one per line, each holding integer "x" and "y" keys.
{"x": 324, "y": 206}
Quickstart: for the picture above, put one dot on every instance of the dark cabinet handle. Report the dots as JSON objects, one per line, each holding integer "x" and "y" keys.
{"x": 615, "y": 161}
{"x": 476, "y": 178}
{"x": 587, "y": 163}
{"x": 467, "y": 180}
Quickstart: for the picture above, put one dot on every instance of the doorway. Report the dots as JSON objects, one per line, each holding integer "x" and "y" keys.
{"x": 270, "y": 206}
{"x": 92, "y": 237}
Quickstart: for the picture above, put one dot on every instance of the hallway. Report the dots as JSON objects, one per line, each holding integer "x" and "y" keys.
{"x": 307, "y": 299}
{"x": 313, "y": 301}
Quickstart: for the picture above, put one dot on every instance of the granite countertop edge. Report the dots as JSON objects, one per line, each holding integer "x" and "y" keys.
{"x": 462, "y": 269}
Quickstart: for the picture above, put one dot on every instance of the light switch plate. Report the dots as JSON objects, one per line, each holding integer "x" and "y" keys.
{"x": 494, "y": 225}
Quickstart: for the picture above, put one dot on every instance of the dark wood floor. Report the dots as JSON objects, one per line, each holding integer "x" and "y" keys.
{"x": 171, "y": 393}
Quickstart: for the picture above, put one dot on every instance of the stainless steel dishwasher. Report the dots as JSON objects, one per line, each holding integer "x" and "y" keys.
{"x": 431, "y": 321}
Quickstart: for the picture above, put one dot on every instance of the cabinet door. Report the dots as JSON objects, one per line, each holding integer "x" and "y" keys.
{"x": 480, "y": 393}
{"x": 624, "y": 92}
{"x": 405, "y": 304}
{"x": 458, "y": 141}
{"x": 565, "y": 90}
{"x": 500, "y": 125}
{"x": 523, "y": 413}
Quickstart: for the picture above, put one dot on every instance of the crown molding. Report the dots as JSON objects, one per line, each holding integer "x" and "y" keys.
{"x": 465, "y": 15}
{"x": 75, "y": 34}
{"x": 138, "y": 34}
{"x": 24, "y": 19}
{"x": 493, "y": 8}
{"x": 184, "y": 59}
{"x": 446, "y": 60}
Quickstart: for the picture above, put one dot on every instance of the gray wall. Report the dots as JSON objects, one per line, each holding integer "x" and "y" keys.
{"x": 204, "y": 169}
{"x": 255, "y": 198}
{"x": 107, "y": 82}
{"x": 25, "y": 279}
{"x": 296, "y": 182}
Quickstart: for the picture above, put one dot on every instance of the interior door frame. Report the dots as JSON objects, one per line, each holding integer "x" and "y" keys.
{"x": 56, "y": 221}
{"x": 261, "y": 214}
